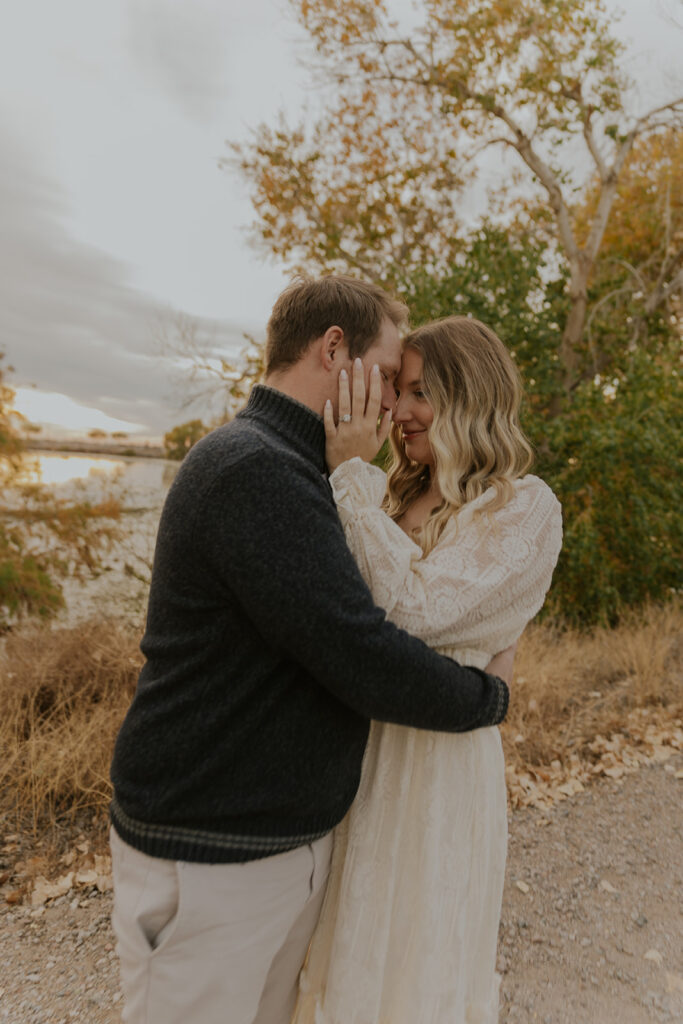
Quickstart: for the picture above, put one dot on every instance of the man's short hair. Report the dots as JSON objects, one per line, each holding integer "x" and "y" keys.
{"x": 309, "y": 307}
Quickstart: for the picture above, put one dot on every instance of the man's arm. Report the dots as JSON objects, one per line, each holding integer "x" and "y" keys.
{"x": 277, "y": 543}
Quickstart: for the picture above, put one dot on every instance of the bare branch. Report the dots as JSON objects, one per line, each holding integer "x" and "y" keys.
{"x": 640, "y": 281}
{"x": 593, "y": 313}
{"x": 592, "y": 144}
{"x": 608, "y": 192}
{"x": 662, "y": 291}
{"x": 645, "y": 122}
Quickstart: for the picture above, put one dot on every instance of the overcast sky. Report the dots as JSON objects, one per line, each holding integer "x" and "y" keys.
{"x": 113, "y": 210}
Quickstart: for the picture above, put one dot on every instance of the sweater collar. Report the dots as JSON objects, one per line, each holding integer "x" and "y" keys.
{"x": 293, "y": 420}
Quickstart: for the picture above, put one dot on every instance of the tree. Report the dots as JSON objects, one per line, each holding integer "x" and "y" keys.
{"x": 204, "y": 375}
{"x": 500, "y": 277}
{"x": 635, "y": 291}
{"x": 179, "y": 440}
{"x": 611, "y": 461}
{"x": 609, "y": 456}
{"x": 42, "y": 538}
{"x": 376, "y": 182}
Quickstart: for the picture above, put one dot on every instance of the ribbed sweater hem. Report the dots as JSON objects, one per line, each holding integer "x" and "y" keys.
{"x": 202, "y": 846}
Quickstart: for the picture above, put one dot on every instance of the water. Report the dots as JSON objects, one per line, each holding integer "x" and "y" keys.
{"x": 137, "y": 482}
{"x": 119, "y": 587}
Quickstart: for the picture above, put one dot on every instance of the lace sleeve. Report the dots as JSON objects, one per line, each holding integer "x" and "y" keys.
{"x": 487, "y": 576}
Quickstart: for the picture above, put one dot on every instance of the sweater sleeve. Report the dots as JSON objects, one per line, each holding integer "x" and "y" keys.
{"x": 487, "y": 576}
{"x": 275, "y": 540}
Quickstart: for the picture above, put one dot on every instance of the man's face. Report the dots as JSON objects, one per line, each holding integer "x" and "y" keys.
{"x": 386, "y": 352}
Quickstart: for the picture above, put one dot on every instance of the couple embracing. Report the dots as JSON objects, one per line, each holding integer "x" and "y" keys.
{"x": 309, "y": 813}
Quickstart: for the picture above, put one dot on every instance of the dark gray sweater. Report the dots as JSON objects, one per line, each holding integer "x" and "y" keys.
{"x": 266, "y": 656}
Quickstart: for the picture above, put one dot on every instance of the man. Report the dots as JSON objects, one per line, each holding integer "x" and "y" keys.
{"x": 266, "y": 660}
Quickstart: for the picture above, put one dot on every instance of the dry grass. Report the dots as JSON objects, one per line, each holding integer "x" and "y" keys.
{"x": 571, "y": 687}
{"x": 65, "y": 692}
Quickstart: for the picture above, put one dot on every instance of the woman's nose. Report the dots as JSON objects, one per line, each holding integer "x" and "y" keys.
{"x": 400, "y": 411}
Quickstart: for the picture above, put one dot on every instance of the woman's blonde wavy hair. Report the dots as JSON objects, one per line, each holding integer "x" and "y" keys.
{"x": 474, "y": 388}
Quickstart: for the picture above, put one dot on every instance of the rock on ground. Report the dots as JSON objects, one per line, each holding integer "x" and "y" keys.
{"x": 591, "y": 929}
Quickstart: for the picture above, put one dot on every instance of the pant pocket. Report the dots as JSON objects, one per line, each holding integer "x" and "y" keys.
{"x": 159, "y": 915}
{"x": 147, "y": 900}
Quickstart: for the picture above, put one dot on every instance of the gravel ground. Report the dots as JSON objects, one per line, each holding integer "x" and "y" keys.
{"x": 591, "y": 929}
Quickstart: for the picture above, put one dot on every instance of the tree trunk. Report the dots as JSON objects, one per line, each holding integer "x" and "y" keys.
{"x": 576, "y": 320}
{"x": 572, "y": 333}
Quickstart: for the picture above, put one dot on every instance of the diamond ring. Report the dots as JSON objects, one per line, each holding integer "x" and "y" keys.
{"x": 346, "y": 418}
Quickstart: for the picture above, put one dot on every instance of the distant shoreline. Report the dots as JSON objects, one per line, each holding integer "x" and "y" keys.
{"x": 130, "y": 449}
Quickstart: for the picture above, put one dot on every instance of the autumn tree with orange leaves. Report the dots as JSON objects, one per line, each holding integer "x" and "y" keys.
{"x": 577, "y": 261}
{"x": 376, "y": 182}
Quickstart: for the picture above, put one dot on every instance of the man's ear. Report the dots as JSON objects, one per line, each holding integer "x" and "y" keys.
{"x": 333, "y": 348}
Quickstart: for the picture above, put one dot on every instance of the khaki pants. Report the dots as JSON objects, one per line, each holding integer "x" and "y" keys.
{"x": 214, "y": 943}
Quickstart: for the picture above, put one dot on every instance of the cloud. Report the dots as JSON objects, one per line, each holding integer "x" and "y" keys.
{"x": 70, "y": 322}
{"x": 182, "y": 48}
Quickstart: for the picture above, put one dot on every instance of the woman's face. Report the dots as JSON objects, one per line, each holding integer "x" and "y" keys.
{"x": 413, "y": 413}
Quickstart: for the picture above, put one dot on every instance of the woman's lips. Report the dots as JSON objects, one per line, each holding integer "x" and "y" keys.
{"x": 408, "y": 435}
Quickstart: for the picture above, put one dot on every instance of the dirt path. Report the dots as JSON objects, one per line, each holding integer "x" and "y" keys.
{"x": 591, "y": 932}
{"x": 605, "y": 880}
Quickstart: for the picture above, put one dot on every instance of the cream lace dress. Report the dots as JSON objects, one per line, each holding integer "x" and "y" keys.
{"x": 408, "y": 931}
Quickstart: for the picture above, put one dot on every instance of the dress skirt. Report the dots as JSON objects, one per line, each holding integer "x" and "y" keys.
{"x": 409, "y": 927}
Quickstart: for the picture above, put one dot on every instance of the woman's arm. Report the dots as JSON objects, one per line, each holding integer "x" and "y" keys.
{"x": 492, "y": 569}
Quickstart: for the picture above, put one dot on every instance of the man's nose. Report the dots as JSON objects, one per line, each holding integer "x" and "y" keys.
{"x": 388, "y": 398}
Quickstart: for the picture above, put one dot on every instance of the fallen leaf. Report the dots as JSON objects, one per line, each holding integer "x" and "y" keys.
{"x": 86, "y": 877}
{"x": 654, "y": 955}
{"x": 570, "y": 787}
{"x": 522, "y": 886}
{"x": 43, "y": 890}
{"x": 607, "y": 886}
{"x": 102, "y": 864}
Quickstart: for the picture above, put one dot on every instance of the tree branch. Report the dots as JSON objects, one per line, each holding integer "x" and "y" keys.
{"x": 645, "y": 119}
{"x": 592, "y": 144}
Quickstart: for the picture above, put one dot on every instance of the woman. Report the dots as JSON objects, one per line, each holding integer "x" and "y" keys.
{"x": 460, "y": 552}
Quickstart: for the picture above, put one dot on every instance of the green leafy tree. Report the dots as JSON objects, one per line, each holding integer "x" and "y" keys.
{"x": 613, "y": 461}
{"x": 610, "y": 456}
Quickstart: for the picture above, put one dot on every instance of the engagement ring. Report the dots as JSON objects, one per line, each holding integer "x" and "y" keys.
{"x": 346, "y": 418}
